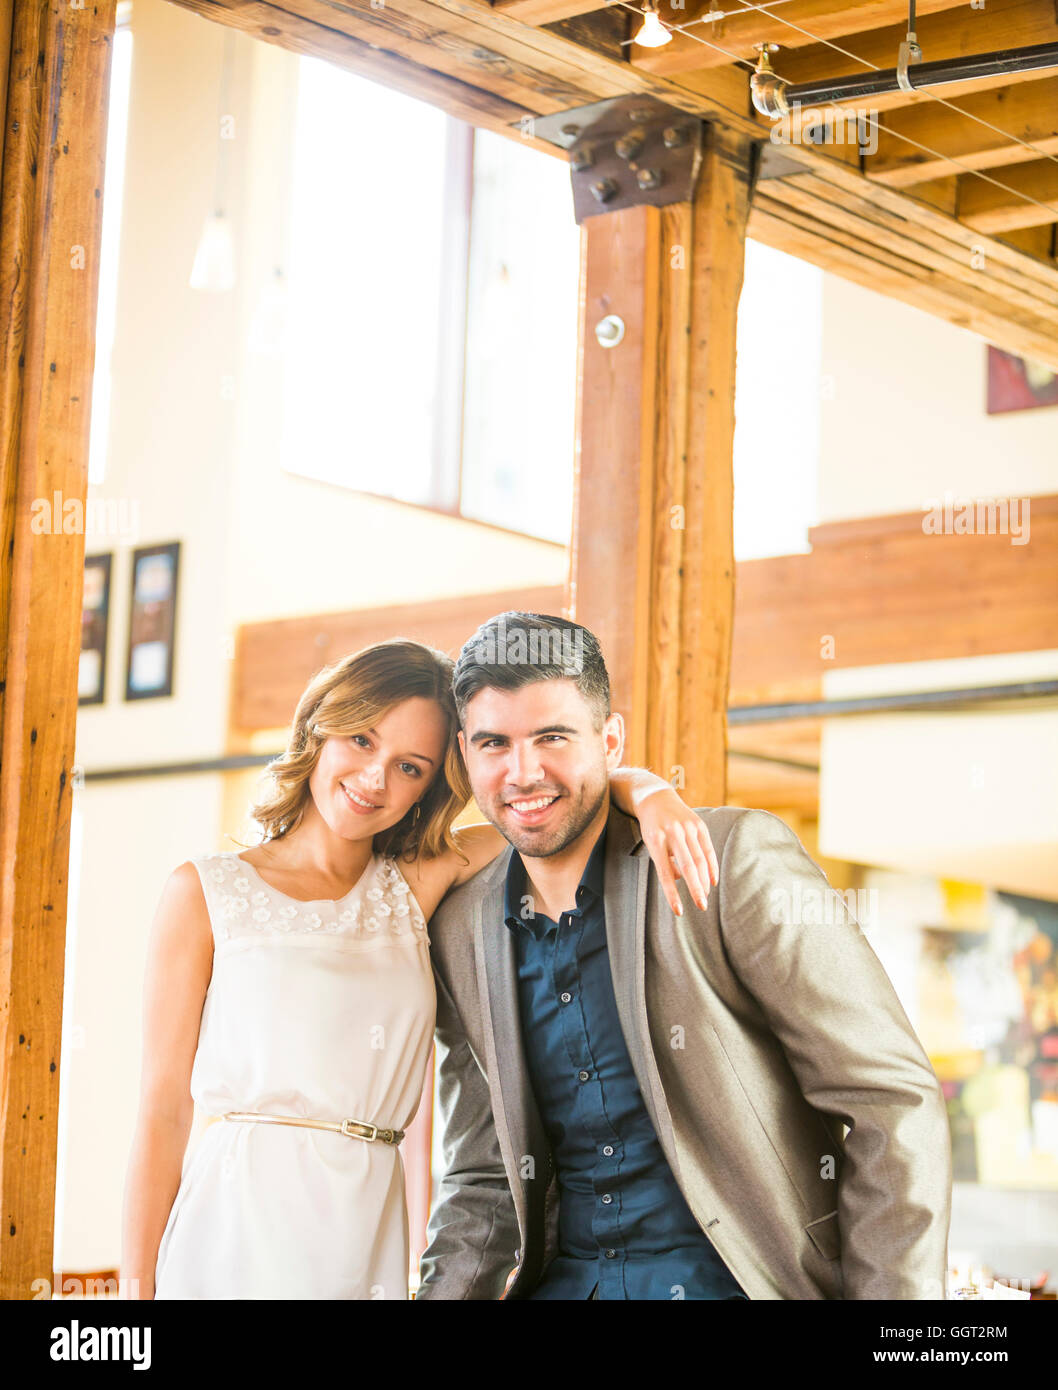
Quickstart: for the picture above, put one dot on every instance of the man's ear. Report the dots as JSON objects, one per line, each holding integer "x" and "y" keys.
{"x": 614, "y": 733}
{"x": 462, "y": 744}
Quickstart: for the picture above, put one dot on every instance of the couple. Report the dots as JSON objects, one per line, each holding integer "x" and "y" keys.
{"x": 643, "y": 1098}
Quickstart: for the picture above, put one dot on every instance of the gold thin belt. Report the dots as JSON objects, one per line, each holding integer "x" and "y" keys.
{"x": 355, "y": 1129}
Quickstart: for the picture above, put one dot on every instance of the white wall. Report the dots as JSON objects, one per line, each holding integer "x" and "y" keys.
{"x": 903, "y": 413}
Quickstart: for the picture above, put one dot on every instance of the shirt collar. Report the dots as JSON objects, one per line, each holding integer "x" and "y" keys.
{"x": 589, "y": 888}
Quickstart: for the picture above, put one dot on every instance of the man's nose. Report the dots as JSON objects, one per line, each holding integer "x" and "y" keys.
{"x": 523, "y": 766}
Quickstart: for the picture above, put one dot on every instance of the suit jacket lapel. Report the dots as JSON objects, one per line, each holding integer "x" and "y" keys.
{"x": 626, "y": 877}
{"x": 513, "y": 1105}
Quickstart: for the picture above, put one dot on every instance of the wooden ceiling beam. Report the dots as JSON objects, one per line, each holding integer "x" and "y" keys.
{"x": 955, "y": 33}
{"x": 814, "y": 20}
{"x": 477, "y": 64}
{"x": 990, "y": 209}
{"x": 939, "y": 262}
{"x": 545, "y": 11}
{"x": 1027, "y": 111}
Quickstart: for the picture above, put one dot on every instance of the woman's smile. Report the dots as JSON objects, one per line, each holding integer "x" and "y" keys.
{"x": 358, "y": 802}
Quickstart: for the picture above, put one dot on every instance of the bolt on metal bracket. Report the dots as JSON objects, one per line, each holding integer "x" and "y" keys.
{"x": 627, "y": 151}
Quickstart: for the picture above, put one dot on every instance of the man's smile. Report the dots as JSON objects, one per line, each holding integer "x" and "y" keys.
{"x": 531, "y": 810}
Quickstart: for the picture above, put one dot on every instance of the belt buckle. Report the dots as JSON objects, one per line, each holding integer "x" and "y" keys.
{"x": 352, "y": 1134}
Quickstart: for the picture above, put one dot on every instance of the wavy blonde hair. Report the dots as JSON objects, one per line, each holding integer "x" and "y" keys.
{"x": 347, "y": 698}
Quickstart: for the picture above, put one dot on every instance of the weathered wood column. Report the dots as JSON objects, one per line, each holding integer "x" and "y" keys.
{"x": 57, "y": 60}
{"x": 652, "y": 564}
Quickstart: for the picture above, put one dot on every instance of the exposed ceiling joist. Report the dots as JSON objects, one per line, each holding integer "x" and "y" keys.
{"x": 1027, "y": 111}
{"x": 991, "y": 209}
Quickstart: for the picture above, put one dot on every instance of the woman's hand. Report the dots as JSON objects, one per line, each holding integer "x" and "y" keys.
{"x": 679, "y": 845}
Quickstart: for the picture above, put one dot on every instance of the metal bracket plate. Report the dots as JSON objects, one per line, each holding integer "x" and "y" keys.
{"x": 627, "y": 151}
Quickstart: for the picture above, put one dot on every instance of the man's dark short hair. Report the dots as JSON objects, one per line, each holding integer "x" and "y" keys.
{"x": 515, "y": 649}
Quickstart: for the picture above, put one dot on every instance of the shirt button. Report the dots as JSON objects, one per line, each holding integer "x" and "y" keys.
{"x": 582, "y": 1075}
{"x": 608, "y": 1150}
{"x": 610, "y": 1254}
{"x": 607, "y": 1199}
{"x": 565, "y": 996}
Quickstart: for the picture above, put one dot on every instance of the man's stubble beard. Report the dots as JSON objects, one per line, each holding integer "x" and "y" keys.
{"x": 578, "y": 816}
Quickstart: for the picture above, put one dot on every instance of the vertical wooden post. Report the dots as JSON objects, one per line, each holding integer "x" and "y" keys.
{"x": 50, "y": 224}
{"x": 652, "y": 564}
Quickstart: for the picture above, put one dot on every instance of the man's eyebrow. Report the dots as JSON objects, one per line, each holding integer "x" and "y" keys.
{"x": 421, "y": 756}
{"x": 483, "y": 734}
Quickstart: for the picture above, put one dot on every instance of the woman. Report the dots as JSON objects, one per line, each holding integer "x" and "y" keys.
{"x": 293, "y": 981}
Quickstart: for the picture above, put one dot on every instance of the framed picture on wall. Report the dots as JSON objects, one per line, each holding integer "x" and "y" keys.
{"x": 1018, "y": 383}
{"x": 152, "y": 621}
{"x": 95, "y": 612}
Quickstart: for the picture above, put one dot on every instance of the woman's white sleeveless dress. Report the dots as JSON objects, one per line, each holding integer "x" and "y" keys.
{"x": 321, "y": 1009}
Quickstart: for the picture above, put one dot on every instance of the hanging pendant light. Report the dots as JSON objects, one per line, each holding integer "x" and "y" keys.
{"x": 652, "y": 33}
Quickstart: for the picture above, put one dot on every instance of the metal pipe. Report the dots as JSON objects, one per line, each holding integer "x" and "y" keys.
{"x": 935, "y": 74}
{"x": 874, "y": 704}
{"x": 233, "y": 762}
{"x": 778, "y": 98}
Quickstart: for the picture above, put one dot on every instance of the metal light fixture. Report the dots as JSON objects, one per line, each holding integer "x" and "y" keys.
{"x": 652, "y": 33}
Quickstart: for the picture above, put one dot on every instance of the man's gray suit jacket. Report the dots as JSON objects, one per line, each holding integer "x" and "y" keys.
{"x": 790, "y": 1094}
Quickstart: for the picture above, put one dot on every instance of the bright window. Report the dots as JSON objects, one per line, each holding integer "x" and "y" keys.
{"x": 432, "y": 340}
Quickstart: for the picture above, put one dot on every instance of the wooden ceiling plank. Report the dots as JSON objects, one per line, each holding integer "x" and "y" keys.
{"x": 822, "y": 19}
{"x": 545, "y": 11}
{"x": 922, "y": 215}
{"x": 722, "y": 94}
{"x": 1024, "y": 308}
{"x": 475, "y": 105}
{"x": 559, "y": 69}
{"x": 779, "y": 226}
{"x": 922, "y": 245}
{"x": 468, "y": 52}
{"x": 991, "y": 209}
{"x": 1026, "y": 111}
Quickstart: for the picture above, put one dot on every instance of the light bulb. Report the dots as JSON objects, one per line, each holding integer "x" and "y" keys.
{"x": 653, "y": 33}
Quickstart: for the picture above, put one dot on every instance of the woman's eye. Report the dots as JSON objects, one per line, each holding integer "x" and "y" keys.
{"x": 410, "y": 767}
{"x": 359, "y": 736}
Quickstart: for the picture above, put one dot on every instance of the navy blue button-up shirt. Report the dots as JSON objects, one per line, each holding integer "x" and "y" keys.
{"x": 625, "y": 1229}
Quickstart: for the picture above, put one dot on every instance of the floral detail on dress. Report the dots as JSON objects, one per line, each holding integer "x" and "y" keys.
{"x": 381, "y": 905}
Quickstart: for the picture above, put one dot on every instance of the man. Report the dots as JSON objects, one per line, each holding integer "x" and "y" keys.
{"x": 644, "y": 1106}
